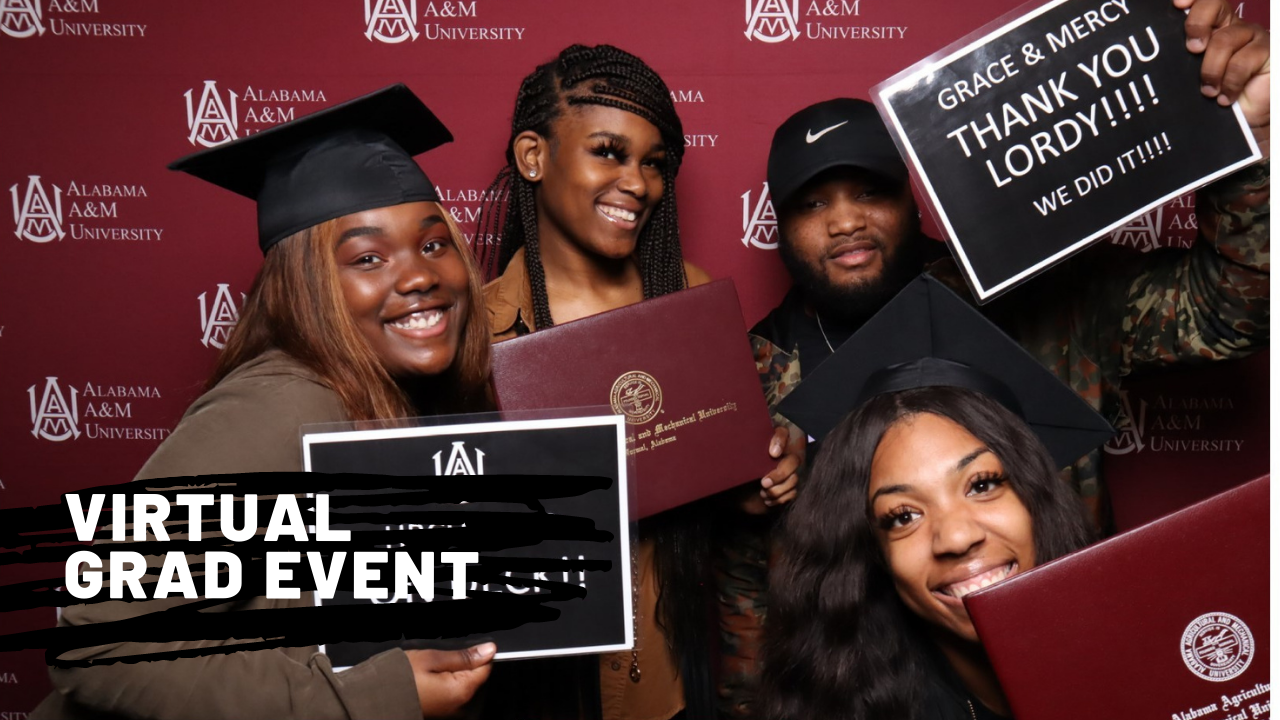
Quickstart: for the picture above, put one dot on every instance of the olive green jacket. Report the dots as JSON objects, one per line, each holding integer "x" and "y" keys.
{"x": 248, "y": 423}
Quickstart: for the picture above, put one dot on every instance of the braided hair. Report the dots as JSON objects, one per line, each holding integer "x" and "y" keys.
{"x": 604, "y": 75}
{"x": 581, "y": 75}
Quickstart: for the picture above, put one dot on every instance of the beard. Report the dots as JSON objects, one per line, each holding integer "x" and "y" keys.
{"x": 853, "y": 305}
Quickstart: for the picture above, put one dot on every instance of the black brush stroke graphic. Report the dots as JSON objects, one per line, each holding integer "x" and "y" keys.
{"x": 41, "y": 535}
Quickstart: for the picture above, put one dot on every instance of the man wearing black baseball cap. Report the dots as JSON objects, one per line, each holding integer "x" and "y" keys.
{"x": 849, "y": 235}
{"x": 849, "y": 231}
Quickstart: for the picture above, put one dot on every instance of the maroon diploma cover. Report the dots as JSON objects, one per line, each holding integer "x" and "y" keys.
{"x": 679, "y": 368}
{"x": 1169, "y": 620}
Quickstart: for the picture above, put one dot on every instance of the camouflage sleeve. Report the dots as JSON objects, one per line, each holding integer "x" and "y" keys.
{"x": 1211, "y": 302}
{"x": 779, "y": 374}
{"x": 742, "y": 570}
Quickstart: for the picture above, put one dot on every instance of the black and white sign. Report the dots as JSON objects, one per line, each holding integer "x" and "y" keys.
{"x": 539, "y": 539}
{"x": 1039, "y": 134}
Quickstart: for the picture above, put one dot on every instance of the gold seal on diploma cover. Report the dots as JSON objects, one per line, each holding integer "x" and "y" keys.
{"x": 637, "y": 396}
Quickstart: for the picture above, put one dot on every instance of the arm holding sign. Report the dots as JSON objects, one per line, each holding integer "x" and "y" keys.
{"x": 1237, "y": 61}
{"x": 1103, "y": 319}
{"x": 1213, "y": 302}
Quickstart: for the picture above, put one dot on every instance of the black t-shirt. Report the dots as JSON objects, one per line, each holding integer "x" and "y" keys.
{"x": 791, "y": 327}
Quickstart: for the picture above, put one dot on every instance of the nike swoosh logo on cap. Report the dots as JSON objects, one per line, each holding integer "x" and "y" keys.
{"x": 812, "y": 137}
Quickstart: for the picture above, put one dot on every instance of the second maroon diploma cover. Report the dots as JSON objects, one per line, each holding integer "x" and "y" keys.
{"x": 1170, "y": 620}
{"x": 679, "y": 368}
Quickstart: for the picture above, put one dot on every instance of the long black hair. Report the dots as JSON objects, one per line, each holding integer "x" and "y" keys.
{"x": 605, "y": 75}
{"x": 839, "y": 643}
{"x": 581, "y": 75}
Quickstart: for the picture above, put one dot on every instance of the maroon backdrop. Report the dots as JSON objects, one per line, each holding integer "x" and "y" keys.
{"x": 121, "y": 279}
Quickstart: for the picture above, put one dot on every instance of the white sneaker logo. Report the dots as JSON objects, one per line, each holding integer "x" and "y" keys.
{"x": 812, "y": 137}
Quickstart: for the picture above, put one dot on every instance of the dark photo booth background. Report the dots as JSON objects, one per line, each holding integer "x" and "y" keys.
{"x": 119, "y": 280}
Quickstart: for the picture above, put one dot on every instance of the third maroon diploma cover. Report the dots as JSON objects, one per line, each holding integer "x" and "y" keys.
{"x": 1170, "y": 620}
{"x": 679, "y": 368}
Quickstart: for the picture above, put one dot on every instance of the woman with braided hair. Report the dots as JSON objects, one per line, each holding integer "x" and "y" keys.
{"x": 586, "y": 211}
{"x": 589, "y": 189}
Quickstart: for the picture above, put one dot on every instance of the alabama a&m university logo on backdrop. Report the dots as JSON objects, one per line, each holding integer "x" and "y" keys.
{"x": 391, "y": 21}
{"x": 1131, "y": 428}
{"x": 93, "y": 210}
{"x": 37, "y": 219}
{"x": 776, "y": 21}
{"x": 773, "y": 21}
{"x": 465, "y": 205}
{"x": 394, "y": 21}
{"x": 219, "y": 318}
{"x": 73, "y": 18}
{"x": 20, "y": 18}
{"x": 1174, "y": 423}
{"x": 1142, "y": 232}
{"x": 1171, "y": 225}
{"x": 215, "y": 117}
{"x": 61, "y": 411}
{"x": 211, "y": 121}
{"x": 52, "y": 417}
{"x": 759, "y": 221}
{"x": 1217, "y": 646}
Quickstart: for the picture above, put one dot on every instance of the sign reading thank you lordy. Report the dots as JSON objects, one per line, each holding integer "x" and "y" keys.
{"x": 1042, "y": 132}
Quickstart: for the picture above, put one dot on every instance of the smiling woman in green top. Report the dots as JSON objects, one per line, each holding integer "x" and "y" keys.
{"x": 367, "y": 307}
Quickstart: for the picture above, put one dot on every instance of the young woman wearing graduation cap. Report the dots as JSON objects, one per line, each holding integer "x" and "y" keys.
{"x": 586, "y": 211}
{"x": 366, "y": 307}
{"x": 941, "y": 481}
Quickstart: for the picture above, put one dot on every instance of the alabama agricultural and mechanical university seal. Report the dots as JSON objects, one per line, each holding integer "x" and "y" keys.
{"x": 1217, "y": 646}
{"x": 636, "y": 396}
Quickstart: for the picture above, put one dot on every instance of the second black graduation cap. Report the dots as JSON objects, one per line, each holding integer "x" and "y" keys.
{"x": 354, "y": 156}
{"x": 928, "y": 336}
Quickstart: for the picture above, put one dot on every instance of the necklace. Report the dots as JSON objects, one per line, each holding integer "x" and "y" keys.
{"x": 635, "y": 620}
{"x": 972, "y": 713}
{"x": 818, "y": 317}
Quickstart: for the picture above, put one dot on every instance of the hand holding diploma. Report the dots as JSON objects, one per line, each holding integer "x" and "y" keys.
{"x": 778, "y": 487}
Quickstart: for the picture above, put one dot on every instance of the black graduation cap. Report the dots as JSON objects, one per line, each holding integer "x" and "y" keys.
{"x": 354, "y": 156}
{"x": 928, "y": 336}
